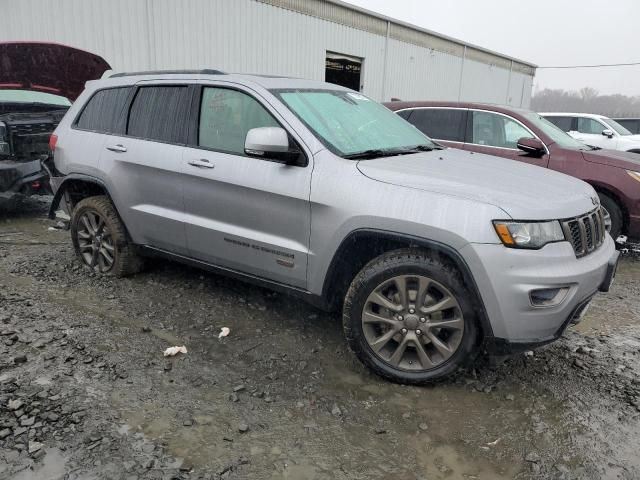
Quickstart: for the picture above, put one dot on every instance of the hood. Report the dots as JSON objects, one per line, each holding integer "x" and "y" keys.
{"x": 48, "y": 67}
{"x": 614, "y": 158}
{"x": 525, "y": 192}
{"x": 629, "y": 141}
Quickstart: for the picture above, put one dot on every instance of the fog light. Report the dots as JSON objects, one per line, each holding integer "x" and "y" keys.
{"x": 548, "y": 297}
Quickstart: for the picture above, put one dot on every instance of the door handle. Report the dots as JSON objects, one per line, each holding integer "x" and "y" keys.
{"x": 117, "y": 148}
{"x": 201, "y": 163}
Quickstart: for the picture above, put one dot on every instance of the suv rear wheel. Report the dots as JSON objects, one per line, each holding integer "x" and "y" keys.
{"x": 408, "y": 317}
{"x": 100, "y": 240}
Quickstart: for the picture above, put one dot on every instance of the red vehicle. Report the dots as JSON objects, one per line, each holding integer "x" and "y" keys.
{"x": 525, "y": 136}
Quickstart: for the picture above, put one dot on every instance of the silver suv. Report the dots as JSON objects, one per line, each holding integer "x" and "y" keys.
{"x": 433, "y": 254}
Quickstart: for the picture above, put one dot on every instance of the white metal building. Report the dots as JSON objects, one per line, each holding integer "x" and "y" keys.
{"x": 315, "y": 39}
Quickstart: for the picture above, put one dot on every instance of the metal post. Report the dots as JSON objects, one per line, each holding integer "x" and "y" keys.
{"x": 509, "y": 82}
{"x": 385, "y": 64}
{"x": 464, "y": 56}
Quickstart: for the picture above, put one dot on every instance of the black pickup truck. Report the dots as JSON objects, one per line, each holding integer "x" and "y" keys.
{"x": 38, "y": 82}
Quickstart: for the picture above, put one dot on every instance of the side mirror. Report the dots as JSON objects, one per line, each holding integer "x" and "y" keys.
{"x": 532, "y": 146}
{"x": 608, "y": 133}
{"x": 271, "y": 143}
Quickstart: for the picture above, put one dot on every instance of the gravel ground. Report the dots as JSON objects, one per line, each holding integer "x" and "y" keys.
{"x": 85, "y": 392}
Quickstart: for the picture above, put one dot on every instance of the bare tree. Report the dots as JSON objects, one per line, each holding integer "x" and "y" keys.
{"x": 587, "y": 100}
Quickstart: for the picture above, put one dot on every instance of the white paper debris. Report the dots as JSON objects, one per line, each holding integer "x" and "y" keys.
{"x": 172, "y": 351}
{"x": 224, "y": 331}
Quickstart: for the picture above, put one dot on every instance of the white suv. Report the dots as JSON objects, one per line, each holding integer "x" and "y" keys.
{"x": 596, "y": 130}
{"x": 433, "y": 254}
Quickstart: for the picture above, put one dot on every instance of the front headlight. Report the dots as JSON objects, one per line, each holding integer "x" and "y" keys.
{"x": 531, "y": 235}
{"x": 634, "y": 175}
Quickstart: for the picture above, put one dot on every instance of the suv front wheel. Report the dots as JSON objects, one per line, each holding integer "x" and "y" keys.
{"x": 408, "y": 317}
{"x": 100, "y": 240}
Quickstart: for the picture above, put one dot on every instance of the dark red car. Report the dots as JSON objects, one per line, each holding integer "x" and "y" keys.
{"x": 525, "y": 136}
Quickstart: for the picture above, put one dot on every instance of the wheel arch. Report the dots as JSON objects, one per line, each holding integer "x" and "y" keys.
{"x": 77, "y": 186}
{"x": 610, "y": 192}
{"x": 363, "y": 245}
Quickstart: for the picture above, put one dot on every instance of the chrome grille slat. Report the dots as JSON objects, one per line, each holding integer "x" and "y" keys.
{"x": 586, "y": 233}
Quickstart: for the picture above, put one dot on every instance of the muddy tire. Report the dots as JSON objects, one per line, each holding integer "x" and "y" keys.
{"x": 614, "y": 215}
{"x": 100, "y": 239}
{"x": 408, "y": 317}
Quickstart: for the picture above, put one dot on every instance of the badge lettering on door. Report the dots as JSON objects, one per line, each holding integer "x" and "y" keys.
{"x": 259, "y": 248}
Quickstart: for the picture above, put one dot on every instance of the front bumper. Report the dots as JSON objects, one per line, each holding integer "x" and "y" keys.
{"x": 505, "y": 278}
{"x": 15, "y": 175}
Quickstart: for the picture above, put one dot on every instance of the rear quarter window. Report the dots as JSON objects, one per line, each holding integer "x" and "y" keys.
{"x": 105, "y": 111}
{"x": 563, "y": 123}
{"x": 160, "y": 113}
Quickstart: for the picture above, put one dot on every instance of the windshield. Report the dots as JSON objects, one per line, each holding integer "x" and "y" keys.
{"x": 28, "y": 96}
{"x": 563, "y": 139}
{"x": 350, "y": 124}
{"x": 617, "y": 127}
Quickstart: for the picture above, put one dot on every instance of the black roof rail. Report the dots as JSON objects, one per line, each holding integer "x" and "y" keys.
{"x": 206, "y": 71}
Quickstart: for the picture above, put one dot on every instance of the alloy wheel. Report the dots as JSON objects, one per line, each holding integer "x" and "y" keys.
{"x": 412, "y": 322}
{"x": 95, "y": 242}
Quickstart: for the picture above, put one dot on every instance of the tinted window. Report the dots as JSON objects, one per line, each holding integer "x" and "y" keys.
{"x": 440, "y": 124}
{"x": 405, "y": 113}
{"x": 495, "y": 130}
{"x": 590, "y": 126}
{"x": 225, "y": 118}
{"x": 105, "y": 111}
{"x": 349, "y": 123}
{"x": 563, "y": 123}
{"x": 160, "y": 113}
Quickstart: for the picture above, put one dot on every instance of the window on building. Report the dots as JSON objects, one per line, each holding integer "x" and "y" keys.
{"x": 344, "y": 70}
{"x": 495, "y": 130}
{"x": 105, "y": 111}
{"x": 441, "y": 124}
{"x": 160, "y": 113}
{"x": 226, "y": 116}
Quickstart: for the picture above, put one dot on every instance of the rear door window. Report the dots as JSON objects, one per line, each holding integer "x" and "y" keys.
{"x": 161, "y": 113}
{"x": 105, "y": 111}
{"x": 563, "y": 123}
{"x": 590, "y": 126}
{"x": 440, "y": 123}
{"x": 226, "y": 116}
{"x": 493, "y": 130}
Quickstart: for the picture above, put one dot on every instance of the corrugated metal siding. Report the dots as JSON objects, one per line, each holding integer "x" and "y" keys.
{"x": 484, "y": 83}
{"x": 417, "y": 73}
{"x": 254, "y": 36}
{"x": 333, "y": 13}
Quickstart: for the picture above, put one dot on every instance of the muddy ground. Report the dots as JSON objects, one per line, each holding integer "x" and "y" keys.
{"x": 85, "y": 392}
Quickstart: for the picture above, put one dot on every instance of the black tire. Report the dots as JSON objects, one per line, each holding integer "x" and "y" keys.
{"x": 615, "y": 212}
{"x": 125, "y": 261}
{"x": 409, "y": 262}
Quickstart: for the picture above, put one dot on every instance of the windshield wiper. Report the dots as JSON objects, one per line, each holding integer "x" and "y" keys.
{"x": 374, "y": 153}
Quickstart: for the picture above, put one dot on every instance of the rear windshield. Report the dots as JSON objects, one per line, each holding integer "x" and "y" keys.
{"x": 349, "y": 123}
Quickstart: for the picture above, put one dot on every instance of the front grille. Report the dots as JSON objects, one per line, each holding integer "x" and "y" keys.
{"x": 27, "y": 129}
{"x": 585, "y": 233}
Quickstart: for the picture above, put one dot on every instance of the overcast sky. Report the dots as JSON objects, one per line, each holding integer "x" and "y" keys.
{"x": 544, "y": 32}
